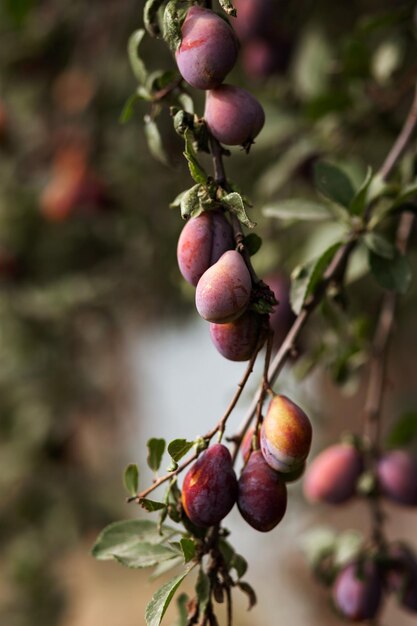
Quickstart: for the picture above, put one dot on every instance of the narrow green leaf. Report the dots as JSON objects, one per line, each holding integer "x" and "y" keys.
{"x": 154, "y": 140}
{"x": 404, "y": 431}
{"x": 379, "y": 245}
{"x": 240, "y": 565}
{"x": 179, "y": 448}
{"x": 182, "y": 603}
{"x": 166, "y": 566}
{"x": 172, "y": 21}
{"x": 249, "y": 591}
{"x": 333, "y": 183}
{"x": 131, "y": 479}
{"x": 150, "y": 17}
{"x": 202, "y": 589}
{"x": 161, "y": 599}
{"x": 119, "y": 538}
{"x": 392, "y": 274}
{"x": 227, "y": 6}
{"x": 156, "y": 449}
{"x": 151, "y": 505}
{"x": 197, "y": 172}
{"x": 360, "y": 200}
{"x": 306, "y": 278}
{"x": 190, "y": 203}
{"x": 298, "y": 209}
{"x": 188, "y": 548}
{"x": 146, "y": 555}
{"x": 136, "y": 63}
{"x": 234, "y": 202}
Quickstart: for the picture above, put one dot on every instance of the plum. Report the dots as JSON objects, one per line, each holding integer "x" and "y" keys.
{"x": 237, "y": 340}
{"x": 259, "y": 58}
{"x": 333, "y": 475}
{"x": 202, "y": 242}
{"x": 246, "y": 444}
{"x": 253, "y": 18}
{"x": 401, "y": 577}
{"x": 396, "y": 472}
{"x": 285, "y": 435}
{"x": 357, "y": 592}
{"x": 233, "y": 116}
{"x": 262, "y": 494}
{"x": 223, "y": 292}
{"x": 208, "y": 49}
{"x": 210, "y": 487}
{"x": 282, "y": 318}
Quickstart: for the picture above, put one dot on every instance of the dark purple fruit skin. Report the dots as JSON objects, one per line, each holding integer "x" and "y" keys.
{"x": 259, "y": 59}
{"x": 208, "y": 50}
{"x": 202, "y": 242}
{"x": 401, "y": 576}
{"x": 358, "y": 599}
{"x": 262, "y": 494}
{"x": 237, "y": 340}
{"x": 224, "y": 290}
{"x": 210, "y": 487}
{"x": 253, "y": 18}
{"x": 245, "y": 446}
{"x": 282, "y": 318}
{"x": 396, "y": 472}
{"x": 233, "y": 115}
{"x": 333, "y": 475}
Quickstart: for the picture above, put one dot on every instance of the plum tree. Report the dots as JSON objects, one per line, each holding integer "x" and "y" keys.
{"x": 285, "y": 435}
{"x": 262, "y": 494}
{"x": 210, "y": 487}
{"x": 223, "y": 292}
{"x": 333, "y": 475}
{"x": 208, "y": 49}
{"x": 203, "y": 240}
{"x": 233, "y": 115}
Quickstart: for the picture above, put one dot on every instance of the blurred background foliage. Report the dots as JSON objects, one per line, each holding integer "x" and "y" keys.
{"x": 87, "y": 242}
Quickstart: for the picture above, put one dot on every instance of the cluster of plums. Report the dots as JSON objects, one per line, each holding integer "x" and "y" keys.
{"x": 211, "y": 489}
{"x": 334, "y": 475}
{"x": 208, "y": 51}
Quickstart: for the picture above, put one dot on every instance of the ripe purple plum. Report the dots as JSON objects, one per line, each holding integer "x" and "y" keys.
{"x": 357, "y": 592}
{"x": 396, "y": 472}
{"x": 208, "y": 49}
{"x": 401, "y": 577}
{"x": 259, "y": 59}
{"x": 246, "y": 444}
{"x": 237, "y": 340}
{"x": 262, "y": 494}
{"x": 283, "y": 316}
{"x": 253, "y": 18}
{"x": 233, "y": 115}
{"x": 210, "y": 487}
{"x": 223, "y": 292}
{"x": 202, "y": 242}
{"x": 285, "y": 435}
{"x": 333, "y": 475}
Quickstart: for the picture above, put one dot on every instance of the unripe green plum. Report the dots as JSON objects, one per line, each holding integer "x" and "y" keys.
{"x": 357, "y": 592}
{"x": 208, "y": 50}
{"x": 202, "y": 242}
{"x": 233, "y": 116}
{"x": 396, "y": 472}
{"x": 333, "y": 475}
{"x": 223, "y": 292}
{"x": 210, "y": 487}
{"x": 262, "y": 494}
{"x": 237, "y": 340}
{"x": 285, "y": 435}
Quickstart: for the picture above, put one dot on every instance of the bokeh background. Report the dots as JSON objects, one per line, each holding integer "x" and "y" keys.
{"x": 100, "y": 345}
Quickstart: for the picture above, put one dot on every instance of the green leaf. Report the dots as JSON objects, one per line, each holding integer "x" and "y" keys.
{"x": 196, "y": 171}
{"x": 156, "y": 449}
{"x": 154, "y": 141}
{"x": 333, "y": 183}
{"x": 131, "y": 479}
{"x": 202, "y": 589}
{"x": 392, "y": 274}
{"x": 298, "y": 209}
{"x": 150, "y": 17}
{"x": 379, "y": 245}
{"x": 228, "y": 7}
{"x": 252, "y": 243}
{"x": 188, "y": 549}
{"x": 190, "y": 203}
{"x": 240, "y": 565}
{"x": 403, "y": 432}
{"x": 120, "y": 538}
{"x": 179, "y": 448}
{"x": 182, "y": 603}
{"x": 137, "y": 65}
{"x": 161, "y": 599}
{"x": 151, "y": 505}
{"x": 172, "y": 22}
{"x": 306, "y": 278}
{"x": 166, "y": 566}
{"x": 235, "y": 204}
{"x": 359, "y": 201}
{"x": 348, "y": 545}
{"x": 146, "y": 555}
{"x": 249, "y": 591}
{"x": 318, "y": 543}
